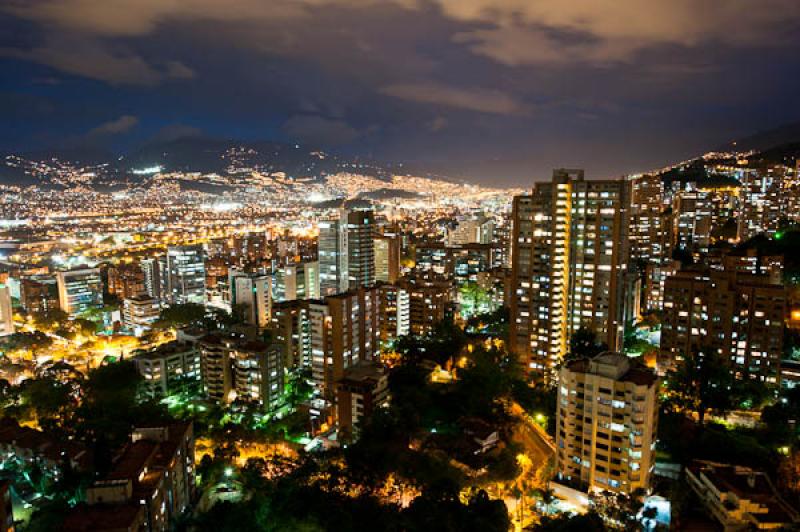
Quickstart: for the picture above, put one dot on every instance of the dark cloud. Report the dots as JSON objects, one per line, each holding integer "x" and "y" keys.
{"x": 123, "y": 124}
{"x": 319, "y": 131}
{"x": 495, "y": 89}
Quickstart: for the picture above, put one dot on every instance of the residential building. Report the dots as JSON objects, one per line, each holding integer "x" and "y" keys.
{"x": 740, "y": 498}
{"x": 569, "y": 259}
{"x": 126, "y": 280}
{"x": 738, "y": 315}
{"x": 344, "y": 330}
{"x": 428, "y": 302}
{"x": 6, "y": 312}
{"x": 333, "y": 256}
{"x": 606, "y": 418}
{"x": 476, "y": 230}
{"x": 362, "y": 389}
{"x": 236, "y": 368}
{"x": 395, "y": 313}
{"x": 39, "y": 294}
{"x": 251, "y": 293}
{"x": 360, "y": 228}
{"x": 139, "y": 313}
{"x": 387, "y": 258}
{"x": 170, "y": 368}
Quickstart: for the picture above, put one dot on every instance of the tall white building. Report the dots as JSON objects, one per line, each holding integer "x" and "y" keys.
{"x": 606, "y": 424}
{"x": 253, "y": 292}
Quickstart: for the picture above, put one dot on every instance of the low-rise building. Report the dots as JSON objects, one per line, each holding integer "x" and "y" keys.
{"x": 170, "y": 368}
{"x": 740, "y": 498}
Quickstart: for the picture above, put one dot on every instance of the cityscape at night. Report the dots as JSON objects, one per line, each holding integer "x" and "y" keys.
{"x": 401, "y": 265}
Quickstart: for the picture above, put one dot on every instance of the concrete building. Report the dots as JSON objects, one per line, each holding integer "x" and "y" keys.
{"x": 248, "y": 370}
{"x": 362, "y": 389}
{"x": 360, "y": 227}
{"x": 79, "y": 290}
{"x": 6, "y": 312}
{"x": 344, "y": 330}
{"x": 39, "y": 294}
{"x": 126, "y": 280}
{"x": 139, "y": 313}
{"x": 740, "y": 498}
{"x": 387, "y": 258}
{"x": 738, "y": 315}
{"x": 152, "y": 277}
{"x": 252, "y": 293}
{"x": 155, "y": 473}
{"x": 649, "y": 239}
{"x": 428, "y": 302}
{"x": 395, "y": 313}
{"x": 333, "y": 256}
{"x": 185, "y": 275}
{"x": 170, "y": 368}
{"x": 569, "y": 260}
{"x": 291, "y": 330}
{"x": 296, "y": 280}
{"x": 477, "y": 230}
{"x": 606, "y": 424}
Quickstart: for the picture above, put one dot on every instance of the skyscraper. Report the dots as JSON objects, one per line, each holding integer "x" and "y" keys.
{"x": 569, "y": 260}
{"x": 387, "y": 258}
{"x": 360, "y": 248}
{"x": 185, "y": 274}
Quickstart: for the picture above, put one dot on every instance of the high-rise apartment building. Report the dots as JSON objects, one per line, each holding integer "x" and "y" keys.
{"x": 38, "y": 294}
{"x": 428, "y": 301}
{"x": 569, "y": 256}
{"x": 387, "y": 258}
{"x": 360, "y": 229}
{"x": 185, "y": 275}
{"x": 395, "y": 314}
{"x": 170, "y": 368}
{"x": 152, "y": 277}
{"x": 738, "y": 315}
{"x": 296, "y": 280}
{"x": 649, "y": 239}
{"x": 344, "y": 330}
{"x": 476, "y": 230}
{"x": 79, "y": 290}
{"x": 237, "y": 369}
{"x": 606, "y": 419}
{"x": 333, "y": 256}
{"x": 252, "y": 294}
{"x": 126, "y": 280}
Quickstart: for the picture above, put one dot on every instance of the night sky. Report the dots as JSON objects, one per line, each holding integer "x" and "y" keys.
{"x": 499, "y": 91}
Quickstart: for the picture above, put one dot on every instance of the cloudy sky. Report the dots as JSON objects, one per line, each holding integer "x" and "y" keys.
{"x": 496, "y": 90}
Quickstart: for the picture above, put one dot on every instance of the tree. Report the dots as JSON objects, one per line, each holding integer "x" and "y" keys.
{"x": 588, "y": 522}
{"x": 183, "y": 314}
{"x": 702, "y": 382}
{"x": 584, "y": 344}
{"x": 48, "y": 397}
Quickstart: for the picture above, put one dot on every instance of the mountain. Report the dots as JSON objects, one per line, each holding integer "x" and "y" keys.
{"x": 198, "y": 154}
{"x": 767, "y": 139}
